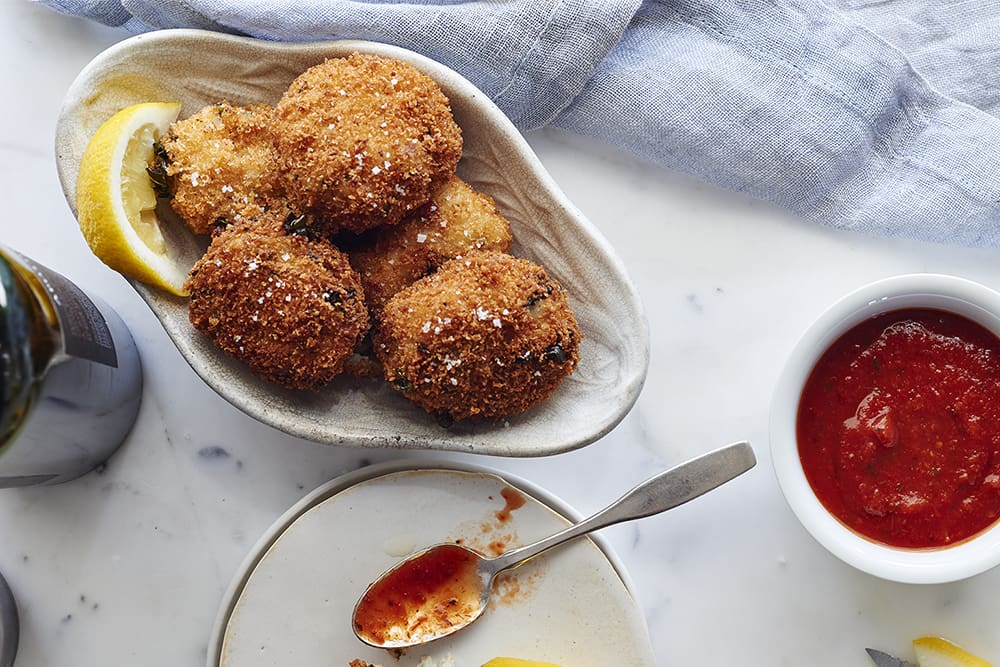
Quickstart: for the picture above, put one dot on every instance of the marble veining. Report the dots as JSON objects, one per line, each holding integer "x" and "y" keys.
{"x": 129, "y": 564}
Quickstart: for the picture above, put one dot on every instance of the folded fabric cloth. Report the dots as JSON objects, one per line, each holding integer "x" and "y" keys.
{"x": 879, "y": 116}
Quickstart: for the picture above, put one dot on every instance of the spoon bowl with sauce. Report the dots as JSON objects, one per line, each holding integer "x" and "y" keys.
{"x": 438, "y": 591}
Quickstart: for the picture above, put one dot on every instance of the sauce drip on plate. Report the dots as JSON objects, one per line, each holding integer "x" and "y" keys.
{"x": 513, "y": 499}
{"x": 899, "y": 428}
{"x": 422, "y": 598}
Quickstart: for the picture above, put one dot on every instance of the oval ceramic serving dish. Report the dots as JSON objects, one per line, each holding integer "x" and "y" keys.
{"x": 290, "y": 602}
{"x": 198, "y": 68}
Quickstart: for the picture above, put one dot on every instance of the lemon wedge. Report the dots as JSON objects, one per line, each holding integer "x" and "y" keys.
{"x": 515, "y": 662}
{"x": 115, "y": 200}
{"x": 937, "y": 652}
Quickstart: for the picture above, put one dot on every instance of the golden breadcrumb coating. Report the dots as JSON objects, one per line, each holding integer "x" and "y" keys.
{"x": 222, "y": 165}
{"x": 486, "y": 336}
{"x": 458, "y": 219}
{"x": 363, "y": 366}
{"x": 291, "y": 308}
{"x": 363, "y": 141}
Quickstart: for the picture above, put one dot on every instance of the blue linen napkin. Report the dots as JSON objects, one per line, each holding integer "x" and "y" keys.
{"x": 879, "y": 116}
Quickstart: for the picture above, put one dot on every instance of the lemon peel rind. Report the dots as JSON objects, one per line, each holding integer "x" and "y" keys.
{"x": 936, "y": 651}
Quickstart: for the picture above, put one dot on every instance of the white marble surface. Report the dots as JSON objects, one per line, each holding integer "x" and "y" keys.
{"x": 129, "y": 566}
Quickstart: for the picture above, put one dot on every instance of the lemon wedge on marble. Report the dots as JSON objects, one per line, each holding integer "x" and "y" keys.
{"x": 116, "y": 202}
{"x": 515, "y": 662}
{"x": 937, "y": 652}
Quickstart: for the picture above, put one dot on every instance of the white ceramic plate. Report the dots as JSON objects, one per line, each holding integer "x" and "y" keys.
{"x": 291, "y": 601}
{"x": 198, "y": 68}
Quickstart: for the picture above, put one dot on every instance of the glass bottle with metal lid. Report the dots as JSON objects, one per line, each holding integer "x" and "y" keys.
{"x": 70, "y": 378}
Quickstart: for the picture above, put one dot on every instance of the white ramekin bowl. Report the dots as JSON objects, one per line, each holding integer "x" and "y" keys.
{"x": 934, "y": 565}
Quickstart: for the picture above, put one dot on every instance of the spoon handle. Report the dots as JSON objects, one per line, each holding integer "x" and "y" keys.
{"x": 664, "y": 491}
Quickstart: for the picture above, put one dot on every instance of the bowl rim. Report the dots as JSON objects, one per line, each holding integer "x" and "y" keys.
{"x": 961, "y": 296}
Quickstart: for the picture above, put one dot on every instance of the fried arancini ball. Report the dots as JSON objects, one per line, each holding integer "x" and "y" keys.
{"x": 221, "y": 164}
{"x": 291, "y": 308}
{"x": 486, "y": 336}
{"x": 457, "y": 220}
{"x": 364, "y": 140}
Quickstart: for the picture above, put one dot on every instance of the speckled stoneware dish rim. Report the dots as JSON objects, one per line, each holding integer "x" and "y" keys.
{"x": 541, "y": 431}
{"x": 350, "y": 479}
{"x": 918, "y": 566}
{"x": 9, "y": 625}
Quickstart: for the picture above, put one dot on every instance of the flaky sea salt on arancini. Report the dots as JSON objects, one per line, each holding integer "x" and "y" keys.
{"x": 458, "y": 219}
{"x": 222, "y": 164}
{"x": 364, "y": 140}
{"x": 289, "y": 307}
{"x": 486, "y": 336}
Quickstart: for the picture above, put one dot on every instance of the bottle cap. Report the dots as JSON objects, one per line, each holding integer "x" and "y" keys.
{"x": 9, "y": 626}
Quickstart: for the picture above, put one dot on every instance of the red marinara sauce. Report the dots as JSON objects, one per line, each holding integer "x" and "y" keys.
{"x": 899, "y": 428}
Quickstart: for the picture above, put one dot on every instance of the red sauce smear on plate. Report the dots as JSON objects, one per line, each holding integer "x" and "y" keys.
{"x": 899, "y": 428}
{"x": 513, "y": 500}
{"x": 422, "y": 597}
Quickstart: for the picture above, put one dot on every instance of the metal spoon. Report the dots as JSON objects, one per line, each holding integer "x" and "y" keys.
{"x": 438, "y": 591}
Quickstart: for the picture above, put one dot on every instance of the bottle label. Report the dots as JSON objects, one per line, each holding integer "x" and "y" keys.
{"x": 85, "y": 333}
